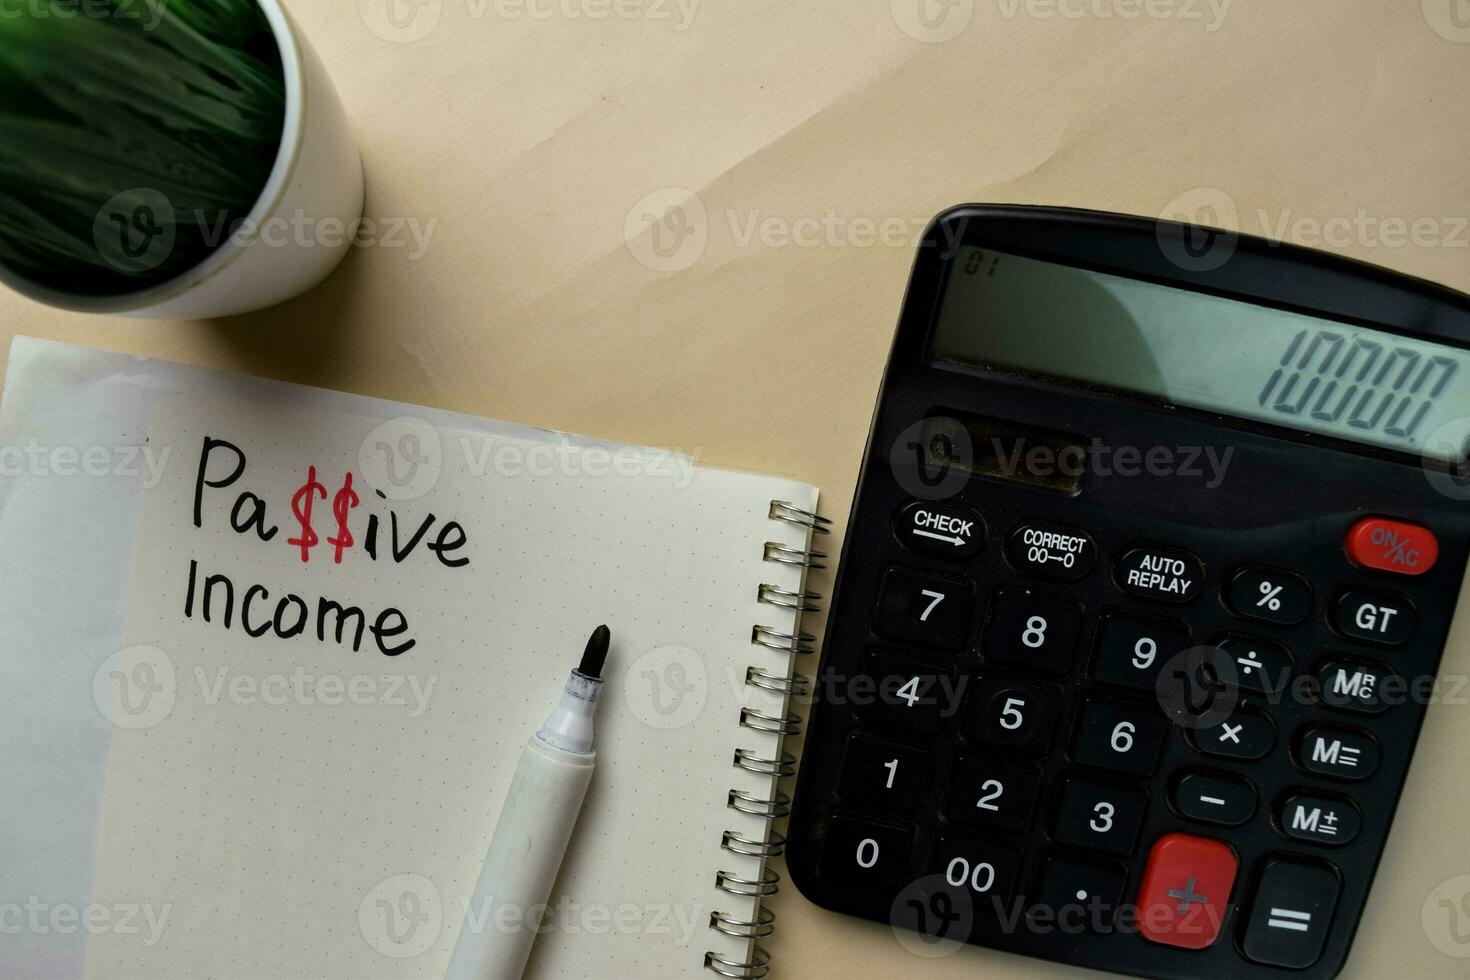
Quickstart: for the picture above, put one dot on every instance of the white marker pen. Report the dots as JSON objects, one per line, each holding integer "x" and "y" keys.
{"x": 533, "y": 832}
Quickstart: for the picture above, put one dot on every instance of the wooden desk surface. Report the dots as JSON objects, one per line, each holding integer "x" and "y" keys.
{"x": 521, "y": 137}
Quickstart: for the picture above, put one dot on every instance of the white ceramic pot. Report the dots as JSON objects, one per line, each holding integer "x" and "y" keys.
{"x": 300, "y": 227}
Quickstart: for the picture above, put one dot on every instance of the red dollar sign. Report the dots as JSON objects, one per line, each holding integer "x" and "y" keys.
{"x": 301, "y": 503}
{"x": 342, "y": 504}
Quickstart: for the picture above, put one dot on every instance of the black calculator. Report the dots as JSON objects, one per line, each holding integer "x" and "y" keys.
{"x": 1154, "y": 551}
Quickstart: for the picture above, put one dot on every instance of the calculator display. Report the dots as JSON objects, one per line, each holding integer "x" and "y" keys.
{"x": 1007, "y": 312}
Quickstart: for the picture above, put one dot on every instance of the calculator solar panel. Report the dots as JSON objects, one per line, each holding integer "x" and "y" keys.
{"x": 1155, "y": 548}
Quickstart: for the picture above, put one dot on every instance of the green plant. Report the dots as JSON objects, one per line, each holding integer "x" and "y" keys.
{"x": 184, "y": 99}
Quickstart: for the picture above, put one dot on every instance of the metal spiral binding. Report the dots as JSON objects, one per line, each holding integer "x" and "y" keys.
{"x": 758, "y": 966}
{"x": 777, "y": 806}
{"x": 779, "y": 765}
{"x": 782, "y": 766}
{"x": 789, "y": 685}
{"x": 791, "y": 514}
{"x": 768, "y": 884}
{"x": 800, "y": 601}
{"x": 797, "y": 642}
{"x": 772, "y": 846}
{"x": 758, "y": 928}
{"x": 801, "y": 557}
{"x": 785, "y": 723}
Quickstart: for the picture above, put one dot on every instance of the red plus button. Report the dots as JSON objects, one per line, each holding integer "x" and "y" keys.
{"x": 1392, "y": 546}
{"x": 1185, "y": 890}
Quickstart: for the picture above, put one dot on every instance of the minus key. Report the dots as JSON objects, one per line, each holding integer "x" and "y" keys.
{"x": 1227, "y": 801}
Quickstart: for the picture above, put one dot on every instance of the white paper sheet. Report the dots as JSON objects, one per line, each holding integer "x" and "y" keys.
{"x": 76, "y": 463}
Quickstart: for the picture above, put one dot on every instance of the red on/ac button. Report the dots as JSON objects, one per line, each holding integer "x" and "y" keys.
{"x": 1392, "y": 546}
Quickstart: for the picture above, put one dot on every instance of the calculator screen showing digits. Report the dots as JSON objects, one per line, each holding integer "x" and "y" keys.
{"x": 1156, "y": 545}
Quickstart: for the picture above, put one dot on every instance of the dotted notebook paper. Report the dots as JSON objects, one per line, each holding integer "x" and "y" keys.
{"x": 341, "y": 633}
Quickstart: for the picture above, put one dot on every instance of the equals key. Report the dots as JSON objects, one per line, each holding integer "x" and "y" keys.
{"x": 1290, "y": 914}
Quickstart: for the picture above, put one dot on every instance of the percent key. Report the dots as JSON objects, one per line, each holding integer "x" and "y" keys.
{"x": 1269, "y": 595}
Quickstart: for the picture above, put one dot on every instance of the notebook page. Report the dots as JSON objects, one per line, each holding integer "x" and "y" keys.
{"x": 304, "y": 803}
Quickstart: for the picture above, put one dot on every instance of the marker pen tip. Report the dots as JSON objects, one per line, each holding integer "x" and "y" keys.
{"x": 595, "y": 656}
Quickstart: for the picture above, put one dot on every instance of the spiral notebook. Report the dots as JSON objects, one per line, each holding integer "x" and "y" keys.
{"x": 341, "y": 631}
